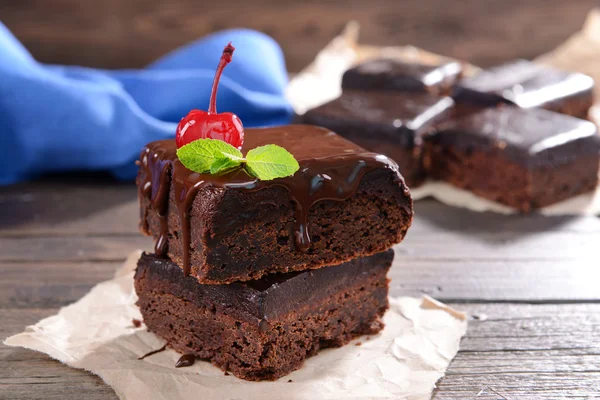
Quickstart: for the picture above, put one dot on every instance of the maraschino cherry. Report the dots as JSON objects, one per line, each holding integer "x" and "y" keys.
{"x": 199, "y": 124}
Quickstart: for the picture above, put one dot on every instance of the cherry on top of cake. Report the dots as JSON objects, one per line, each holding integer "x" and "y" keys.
{"x": 209, "y": 143}
{"x": 200, "y": 124}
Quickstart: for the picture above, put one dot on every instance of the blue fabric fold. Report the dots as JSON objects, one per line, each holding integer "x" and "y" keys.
{"x": 61, "y": 118}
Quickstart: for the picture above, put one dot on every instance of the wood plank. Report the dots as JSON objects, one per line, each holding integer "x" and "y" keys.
{"x": 131, "y": 33}
{"x": 63, "y": 208}
{"x": 50, "y": 285}
{"x": 70, "y": 249}
{"x": 26, "y": 374}
{"x": 498, "y": 245}
{"x": 529, "y": 327}
{"x": 522, "y": 386}
{"x": 48, "y": 379}
{"x": 14, "y": 321}
{"x": 526, "y": 352}
{"x": 504, "y": 280}
{"x": 432, "y": 215}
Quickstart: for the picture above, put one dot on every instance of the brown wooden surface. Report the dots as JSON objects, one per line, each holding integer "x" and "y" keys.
{"x": 530, "y": 284}
{"x": 131, "y": 33}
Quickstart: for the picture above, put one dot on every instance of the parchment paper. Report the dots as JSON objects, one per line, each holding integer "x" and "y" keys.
{"x": 96, "y": 333}
{"x": 320, "y": 82}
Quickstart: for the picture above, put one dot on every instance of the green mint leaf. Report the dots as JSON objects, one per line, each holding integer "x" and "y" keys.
{"x": 200, "y": 154}
{"x": 224, "y": 164}
{"x": 270, "y": 162}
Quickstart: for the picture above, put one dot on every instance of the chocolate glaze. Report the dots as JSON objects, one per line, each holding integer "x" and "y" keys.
{"x": 390, "y": 123}
{"x": 153, "y": 352}
{"x": 522, "y": 83}
{"x": 396, "y": 75}
{"x": 398, "y": 116}
{"x": 331, "y": 168}
{"x": 527, "y": 136}
{"x": 265, "y": 299}
{"x": 186, "y": 360}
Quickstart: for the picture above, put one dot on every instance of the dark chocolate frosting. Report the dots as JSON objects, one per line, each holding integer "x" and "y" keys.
{"x": 331, "y": 168}
{"x": 393, "y": 74}
{"x": 526, "y": 135}
{"x": 393, "y": 110}
{"x": 266, "y": 298}
{"x": 523, "y": 83}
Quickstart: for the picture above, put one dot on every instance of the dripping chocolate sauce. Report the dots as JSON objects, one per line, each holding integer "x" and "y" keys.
{"x": 186, "y": 360}
{"x": 153, "y": 352}
{"x": 321, "y": 177}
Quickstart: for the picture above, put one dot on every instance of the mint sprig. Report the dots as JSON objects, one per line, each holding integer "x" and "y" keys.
{"x": 216, "y": 157}
{"x": 270, "y": 161}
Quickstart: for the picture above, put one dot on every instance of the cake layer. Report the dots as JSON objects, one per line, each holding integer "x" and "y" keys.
{"x": 343, "y": 203}
{"x": 390, "y": 123}
{"x": 527, "y": 84}
{"x": 395, "y": 75}
{"x": 263, "y": 329}
{"x": 526, "y": 159}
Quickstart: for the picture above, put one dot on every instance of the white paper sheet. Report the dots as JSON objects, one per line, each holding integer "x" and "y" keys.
{"x": 321, "y": 81}
{"x": 96, "y": 333}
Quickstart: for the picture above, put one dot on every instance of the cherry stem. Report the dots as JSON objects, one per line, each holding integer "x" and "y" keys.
{"x": 225, "y": 59}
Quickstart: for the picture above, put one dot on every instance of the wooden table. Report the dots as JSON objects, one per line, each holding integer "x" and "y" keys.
{"x": 530, "y": 283}
{"x": 133, "y": 33}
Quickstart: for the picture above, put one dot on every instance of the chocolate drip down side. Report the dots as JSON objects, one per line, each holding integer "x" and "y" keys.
{"x": 156, "y": 172}
{"x": 323, "y": 178}
{"x": 186, "y": 360}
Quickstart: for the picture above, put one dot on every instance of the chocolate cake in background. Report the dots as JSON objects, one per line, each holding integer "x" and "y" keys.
{"x": 526, "y": 159}
{"x": 526, "y": 84}
{"x": 390, "y": 123}
{"x": 496, "y": 135}
{"x": 388, "y": 74}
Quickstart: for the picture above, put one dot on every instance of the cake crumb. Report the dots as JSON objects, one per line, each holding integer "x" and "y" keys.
{"x": 226, "y": 373}
{"x": 289, "y": 380}
{"x": 358, "y": 343}
{"x": 136, "y": 322}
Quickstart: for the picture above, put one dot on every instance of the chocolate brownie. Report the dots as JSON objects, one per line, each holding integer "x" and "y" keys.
{"x": 526, "y": 159}
{"x": 396, "y": 75}
{"x": 390, "y": 123}
{"x": 527, "y": 84}
{"x": 263, "y": 329}
{"x": 343, "y": 203}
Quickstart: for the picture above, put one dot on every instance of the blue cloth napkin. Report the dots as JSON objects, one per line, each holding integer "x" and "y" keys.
{"x": 60, "y": 118}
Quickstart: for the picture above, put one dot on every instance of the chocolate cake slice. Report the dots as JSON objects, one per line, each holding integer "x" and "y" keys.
{"x": 527, "y": 84}
{"x": 343, "y": 203}
{"x": 390, "y": 74}
{"x": 264, "y": 329}
{"x": 390, "y": 123}
{"x": 525, "y": 159}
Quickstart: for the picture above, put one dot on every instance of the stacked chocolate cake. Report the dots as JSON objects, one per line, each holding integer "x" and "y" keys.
{"x": 515, "y": 134}
{"x": 256, "y": 275}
